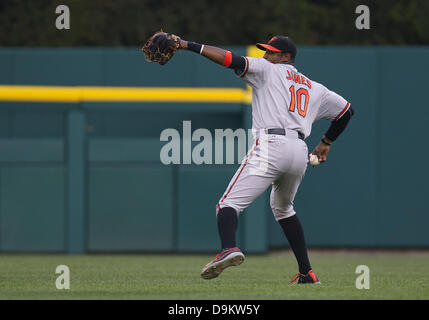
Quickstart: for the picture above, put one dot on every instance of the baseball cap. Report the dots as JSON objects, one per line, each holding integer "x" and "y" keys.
{"x": 279, "y": 44}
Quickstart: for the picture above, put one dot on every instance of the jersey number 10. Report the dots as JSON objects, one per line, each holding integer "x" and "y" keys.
{"x": 297, "y": 101}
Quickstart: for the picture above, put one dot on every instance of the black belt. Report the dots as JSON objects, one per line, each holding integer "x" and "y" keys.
{"x": 282, "y": 132}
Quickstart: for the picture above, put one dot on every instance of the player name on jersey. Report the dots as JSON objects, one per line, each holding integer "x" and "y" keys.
{"x": 297, "y": 78}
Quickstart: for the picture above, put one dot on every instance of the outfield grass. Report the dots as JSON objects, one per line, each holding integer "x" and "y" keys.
{"x": 177, "y": 277}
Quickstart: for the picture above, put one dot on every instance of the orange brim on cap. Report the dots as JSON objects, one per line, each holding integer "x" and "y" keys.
{"x": 267, "y": 47}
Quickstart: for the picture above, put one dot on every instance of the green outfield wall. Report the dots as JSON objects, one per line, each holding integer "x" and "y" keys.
{"x": 87, "y": 177}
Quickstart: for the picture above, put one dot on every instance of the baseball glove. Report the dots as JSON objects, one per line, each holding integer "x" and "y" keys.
{"x": 161, "y": 47}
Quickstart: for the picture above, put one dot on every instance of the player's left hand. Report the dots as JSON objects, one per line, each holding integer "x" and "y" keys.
{"x": 321, "y": 151}
{"x": 161, "y": 47}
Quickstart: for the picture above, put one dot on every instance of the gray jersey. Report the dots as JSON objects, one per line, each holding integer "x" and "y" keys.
{"x": 282, "y": 97}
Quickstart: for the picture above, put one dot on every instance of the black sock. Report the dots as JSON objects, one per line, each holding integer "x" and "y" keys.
{"x": 294, "y": 233}
{"x": 227, "y": 222}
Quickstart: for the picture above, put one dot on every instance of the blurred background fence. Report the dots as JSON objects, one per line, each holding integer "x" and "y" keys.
{"x": 86, "y": 176}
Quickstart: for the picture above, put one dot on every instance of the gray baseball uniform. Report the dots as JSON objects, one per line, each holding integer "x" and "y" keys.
{"x": 282, "y": 98}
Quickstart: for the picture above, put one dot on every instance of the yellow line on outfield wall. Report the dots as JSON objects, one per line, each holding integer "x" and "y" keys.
{"x": 125, "y": 94}
{"x": 225, "y": 95}
{"x": 39, "y": 93}
{"x": 128, "y": 94}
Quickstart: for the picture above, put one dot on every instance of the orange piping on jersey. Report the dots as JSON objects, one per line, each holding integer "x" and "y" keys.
{"x": 244, "y": 164}
{"x": 342, "y": 112}
{"x": 236, "y": 178}
{"x": 247, "y": 67}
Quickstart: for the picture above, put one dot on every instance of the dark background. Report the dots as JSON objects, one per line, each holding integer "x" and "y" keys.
{"x": 234, "y": 22}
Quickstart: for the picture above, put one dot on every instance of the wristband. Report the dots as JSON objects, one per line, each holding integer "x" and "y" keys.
{"x": 326, "y": 141}
{"x": 228, "y": 59}
{"x": 195, "y": 47}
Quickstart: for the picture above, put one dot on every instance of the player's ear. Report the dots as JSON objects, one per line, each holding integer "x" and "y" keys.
{"x": 287, "y": 57}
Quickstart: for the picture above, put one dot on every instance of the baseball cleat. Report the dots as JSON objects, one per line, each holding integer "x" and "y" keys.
{"x": 310, "y": 277}
{"x": 224, "y": 259}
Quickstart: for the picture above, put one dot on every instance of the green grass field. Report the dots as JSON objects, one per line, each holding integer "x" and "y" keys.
{"x": 402, "y": 275}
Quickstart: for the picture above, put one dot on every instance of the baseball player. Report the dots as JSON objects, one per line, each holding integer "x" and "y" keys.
{"x": 285, "y": 103}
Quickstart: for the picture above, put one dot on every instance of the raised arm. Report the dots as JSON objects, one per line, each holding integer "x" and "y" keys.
{"x": 220, "y": 56}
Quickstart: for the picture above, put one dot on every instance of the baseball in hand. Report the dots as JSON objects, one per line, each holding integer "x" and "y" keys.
{"x": 314, "y": 160}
